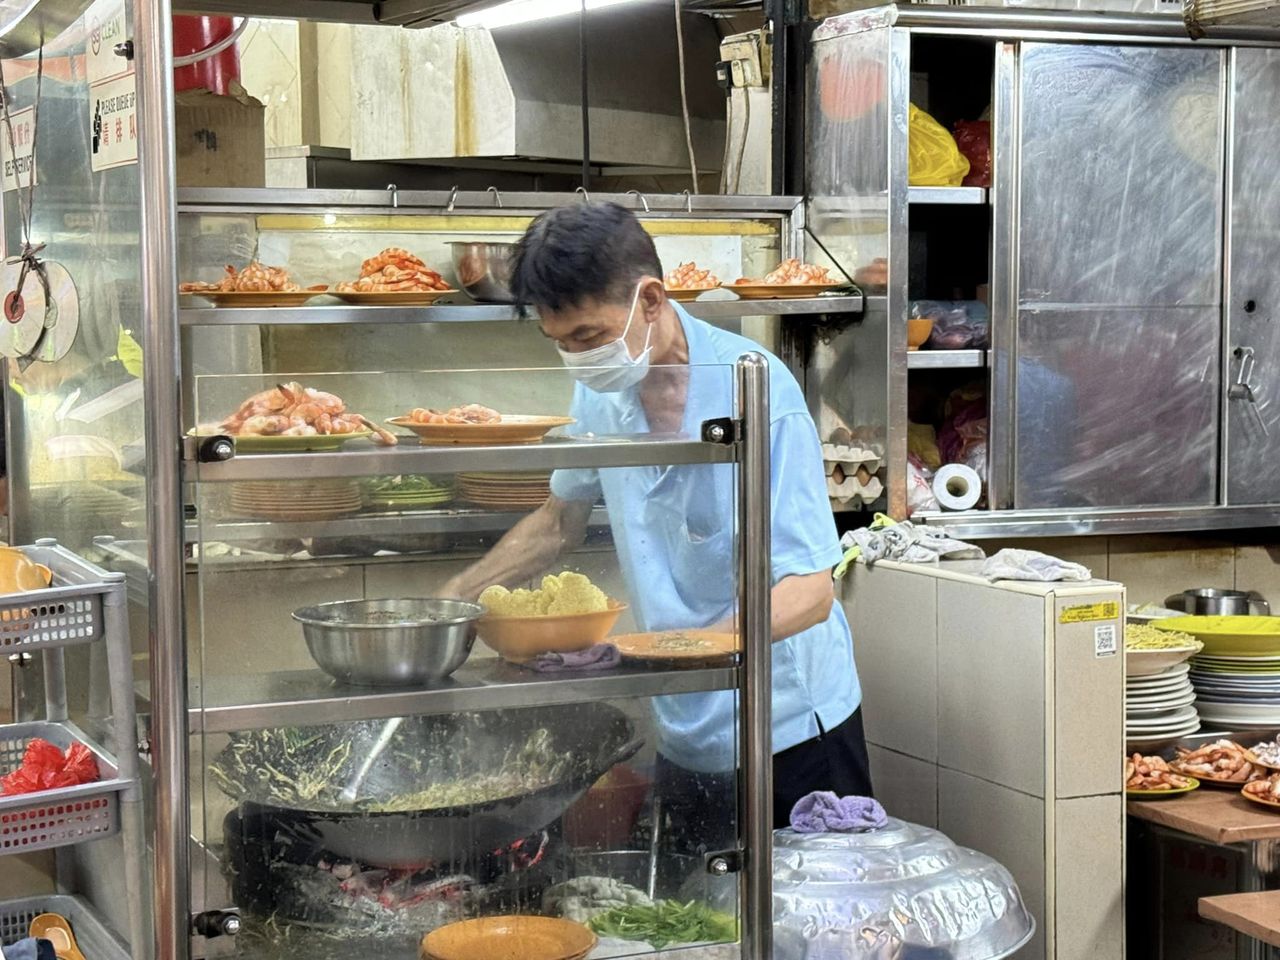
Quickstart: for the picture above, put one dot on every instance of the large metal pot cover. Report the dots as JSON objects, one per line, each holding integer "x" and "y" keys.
{"x": 903, "y": 892}
{"x": 300, "y": 772}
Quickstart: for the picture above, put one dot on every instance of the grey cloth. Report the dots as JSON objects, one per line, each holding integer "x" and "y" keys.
{"x": 603, "y": 656}
{"x": 29, "y": 949}
{"x": 909, "y": 544}
{"x": 1030, "y": 565}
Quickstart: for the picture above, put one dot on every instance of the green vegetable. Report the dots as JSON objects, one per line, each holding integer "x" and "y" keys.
{"x": 666, "y": 922}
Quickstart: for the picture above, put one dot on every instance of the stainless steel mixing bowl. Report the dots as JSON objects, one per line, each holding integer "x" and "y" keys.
{"x": 484, "y": 270}
{"x": 389, "y": 642}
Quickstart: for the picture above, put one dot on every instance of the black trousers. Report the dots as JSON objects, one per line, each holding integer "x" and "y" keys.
{"x": 698, "y": 810}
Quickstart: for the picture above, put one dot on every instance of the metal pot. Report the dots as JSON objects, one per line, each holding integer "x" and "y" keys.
{"x": 389, "y": 642}
{"x": 426, "y": 750}
{"x": 1210, "y": 602}
{"x": 484, "y": 270}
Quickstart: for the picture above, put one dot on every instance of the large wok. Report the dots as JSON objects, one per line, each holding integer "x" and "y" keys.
{"x": 274, "y": 773}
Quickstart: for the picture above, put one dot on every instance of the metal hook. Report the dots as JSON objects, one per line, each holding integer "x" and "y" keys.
{"x": 395, "y": 195}
{"x": 643, "y": 200}
{"x": 688, "y": 201}
{"x": 453, "y": 199}
{"x": 497, "y": 197}
{"x": 586, "y": 197}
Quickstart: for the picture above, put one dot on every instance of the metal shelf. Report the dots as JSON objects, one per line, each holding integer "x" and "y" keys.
{"x": 953, "y": 196}
{"x": 311, "y": 697}
{"x": 363, "y": 459}
{"x": 387, "y": 523}
{"x": 945, "y": 359}
{"x": 1109, "y": 521}
{"x": 712, "y": 309}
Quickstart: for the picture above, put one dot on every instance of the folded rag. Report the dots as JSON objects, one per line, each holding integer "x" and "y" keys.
{"x": 824, "y": 812}
{"x": 1028, "y": 565}
{"x": 603, "y": 656}
{"x": 29, "y": 949}
{"x": 887, "y": 540}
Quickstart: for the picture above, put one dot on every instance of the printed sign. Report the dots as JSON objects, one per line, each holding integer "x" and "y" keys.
{"x": 1085, "y": 612}
{"x": 1104, "y": 641}
{"x": 106, "y": 29}
{"x": 113, "y": 123}
{"x": 19, "y": 163}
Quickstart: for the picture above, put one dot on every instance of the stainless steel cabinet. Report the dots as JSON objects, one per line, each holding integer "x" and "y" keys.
{"x": 1119, "y": 186}
{"x": 1252, "y": 441}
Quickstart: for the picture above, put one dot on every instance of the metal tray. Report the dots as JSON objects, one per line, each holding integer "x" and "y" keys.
{"x": 56, "y": 818}
{"x": 95, "y": 940}
{"x": 68, "y": 612}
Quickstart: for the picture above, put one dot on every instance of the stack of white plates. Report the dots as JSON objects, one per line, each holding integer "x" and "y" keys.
{"x": 1234, "y": 691}
{"x": 1160, "y": 706}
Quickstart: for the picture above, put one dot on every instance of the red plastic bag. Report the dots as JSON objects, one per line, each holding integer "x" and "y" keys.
{"x": 973, "y": 137}
{"x": 45, "y": 767}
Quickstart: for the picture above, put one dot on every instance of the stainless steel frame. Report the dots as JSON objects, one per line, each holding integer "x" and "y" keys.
{"x": 162, "y": 406}
{"x": 1004, "y": 277}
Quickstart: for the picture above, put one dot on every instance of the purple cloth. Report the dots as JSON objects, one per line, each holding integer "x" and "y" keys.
{"x": 603, "y": 656}
{"x": 824, "y": 812}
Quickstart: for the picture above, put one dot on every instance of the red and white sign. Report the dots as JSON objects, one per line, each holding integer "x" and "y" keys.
{"x": 17, "y": 157}
{"x": 113, "y": 123}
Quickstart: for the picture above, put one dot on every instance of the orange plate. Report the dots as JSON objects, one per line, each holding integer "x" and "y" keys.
{"x": 779, "y": 291}
{"x": 1259, "y": 800}
{"x": 393, "y": 298}
{"x": 712, "y": 645}
{"x": 1206, "y": 781}
{"x": 261, "y": 299}
{"x": 509, "y": 938}
{"x": 684, "y": 295}
{"x": 520, "y": 639}
{"x": 512, "y": 428}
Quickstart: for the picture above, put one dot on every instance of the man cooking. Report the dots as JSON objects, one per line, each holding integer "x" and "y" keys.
{"x": 644, "y": 365}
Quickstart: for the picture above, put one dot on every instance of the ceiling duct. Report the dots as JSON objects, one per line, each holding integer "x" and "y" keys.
{"x": 468, "y": 93}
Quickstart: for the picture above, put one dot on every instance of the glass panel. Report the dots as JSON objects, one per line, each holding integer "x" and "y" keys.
{"x": 74, "y": 434}
{"x": 618, "y": 764}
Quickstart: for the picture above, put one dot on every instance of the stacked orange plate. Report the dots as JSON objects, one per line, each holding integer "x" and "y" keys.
{"x": 505, "y": 491}
{"x": 290, "y": 500}
{"x": 509, "y": 938}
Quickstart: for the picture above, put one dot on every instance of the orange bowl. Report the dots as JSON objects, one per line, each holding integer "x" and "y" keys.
{"x": 509, "y": 938}
{"x": 520, "y": 639}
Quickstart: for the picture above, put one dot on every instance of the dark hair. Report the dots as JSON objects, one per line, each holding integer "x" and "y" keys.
{"x": 585, "y": 251}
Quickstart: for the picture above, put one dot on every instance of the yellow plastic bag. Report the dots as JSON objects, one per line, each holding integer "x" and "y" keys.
{"x": 933, "y": 159}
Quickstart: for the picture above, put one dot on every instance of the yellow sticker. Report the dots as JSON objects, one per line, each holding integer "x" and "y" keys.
{"x": 1086, "y": 612}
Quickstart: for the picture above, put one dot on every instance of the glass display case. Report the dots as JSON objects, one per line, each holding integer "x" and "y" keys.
{"x": 488, "y": 780}
{"x": 481, "y": 782}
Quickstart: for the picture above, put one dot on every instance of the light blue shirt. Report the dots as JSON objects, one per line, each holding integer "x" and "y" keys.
{"x": 673, "y": 528}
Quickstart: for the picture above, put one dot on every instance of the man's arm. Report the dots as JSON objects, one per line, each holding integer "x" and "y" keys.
{"x": 528, "y": 548}
{"x": 800, "y": 602}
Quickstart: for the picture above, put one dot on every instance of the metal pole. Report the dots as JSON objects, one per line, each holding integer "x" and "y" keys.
{"x": 163, "y": 395}
{"x": 756, "y": 688}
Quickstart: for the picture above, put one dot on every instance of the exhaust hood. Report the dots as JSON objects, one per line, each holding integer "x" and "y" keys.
{"x": 448, "y": 92}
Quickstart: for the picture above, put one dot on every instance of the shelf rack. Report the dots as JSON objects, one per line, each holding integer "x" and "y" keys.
{"x": 710, "y": 309}
{"x": 307, "y": 697}
{"x": 945, "y": 359}
{"x": 83, "y": 605}
{"x": 952, "y": 196}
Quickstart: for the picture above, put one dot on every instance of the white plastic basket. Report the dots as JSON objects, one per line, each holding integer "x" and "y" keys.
{"x": 67, "y": 612}
{"x": 91, "y": 933}
{"x": 55, "y": 818}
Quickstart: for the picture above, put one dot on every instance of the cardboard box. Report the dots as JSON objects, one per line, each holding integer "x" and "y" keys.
{"x": 219, "y": 141}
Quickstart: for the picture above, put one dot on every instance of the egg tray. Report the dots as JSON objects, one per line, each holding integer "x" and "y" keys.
{"x": 68, "y": 612}
{"x": 92, "y": 935}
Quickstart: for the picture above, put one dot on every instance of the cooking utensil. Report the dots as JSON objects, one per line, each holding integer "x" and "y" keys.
{"x": 55, "y": 928}
{"x": 389, "y": 642}
{"x": 592, "y": 737}
{"x": 520, "y": 639}
{"x": 484, "y": 270}
{"x": 1211, "y": 602}
{"x": 389, "y": 729}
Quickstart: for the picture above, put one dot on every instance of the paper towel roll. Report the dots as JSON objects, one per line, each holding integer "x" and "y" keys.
{"x": 957, "y": 487}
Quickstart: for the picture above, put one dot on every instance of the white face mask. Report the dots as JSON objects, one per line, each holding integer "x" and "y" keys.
{"x": 611, "y": 368}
